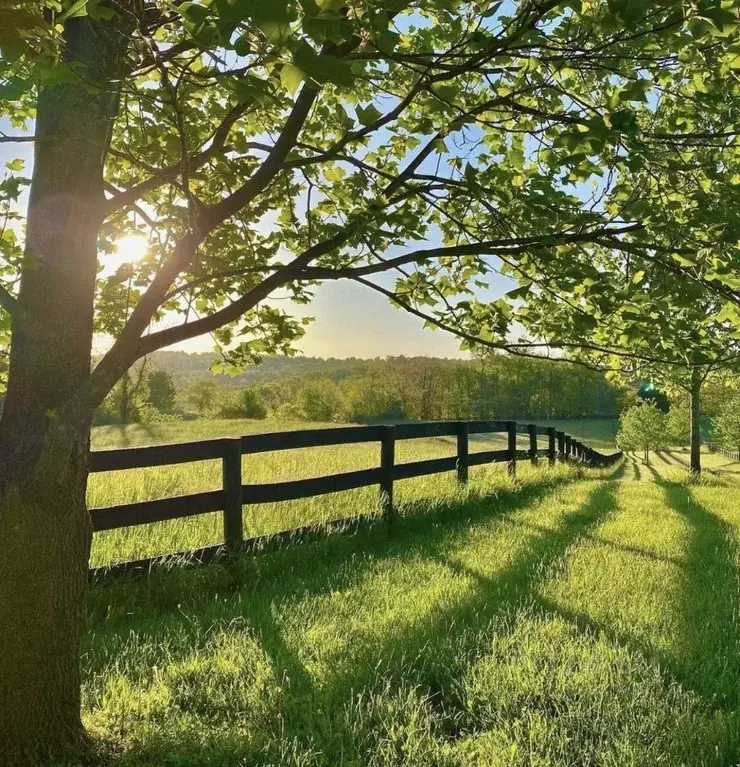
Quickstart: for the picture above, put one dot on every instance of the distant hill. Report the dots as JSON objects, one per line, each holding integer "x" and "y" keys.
{"x": 186, "y": 368}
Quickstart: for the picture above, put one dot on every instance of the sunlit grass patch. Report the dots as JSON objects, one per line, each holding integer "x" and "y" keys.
{"x": 565, "y": 617}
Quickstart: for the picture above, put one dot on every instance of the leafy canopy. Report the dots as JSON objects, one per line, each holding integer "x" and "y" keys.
{"x": 727, "y": 424}
{"x": 264, "y": 146}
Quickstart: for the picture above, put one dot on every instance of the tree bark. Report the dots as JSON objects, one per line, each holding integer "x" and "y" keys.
{"x": 44, "y": 524}
{"x": 694, "y": 414}
{"x": 46, "y": 537}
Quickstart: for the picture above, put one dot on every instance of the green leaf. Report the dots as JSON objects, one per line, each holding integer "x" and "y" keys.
{"x": 193, "y": 12}
{"x": 335, "y": 174}
{"x": 638, "y": 276}
{"x": 291, "y": 77}
{"x": 15, "y": 165}
{"x": 322, "y": 68}
{"x": 368, "y": 115}
{"x": 77, "y": 9}
{"x": 636, "y": 91}
{"x": 234, "y": 10}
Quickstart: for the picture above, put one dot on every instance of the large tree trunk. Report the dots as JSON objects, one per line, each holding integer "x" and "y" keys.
{"x": 46, "y": 537}
{"x": 695, "y": 412}
{"x": 44, "y": 525}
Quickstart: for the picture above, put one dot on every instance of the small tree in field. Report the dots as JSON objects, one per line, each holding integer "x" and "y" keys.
{"x": 727, "y": 424}
{"x": 162, "y": 390}
{"x": 643, "y": 428}
{"x": 678, "y": 424}
{"x": 201, "y": 395}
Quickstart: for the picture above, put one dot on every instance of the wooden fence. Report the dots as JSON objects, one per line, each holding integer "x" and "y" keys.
{"x": 734, "y": 454}
{"x": 235, "y": 493}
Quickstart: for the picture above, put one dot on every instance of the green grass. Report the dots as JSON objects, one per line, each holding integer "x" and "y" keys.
{"x": 553, "y": 621}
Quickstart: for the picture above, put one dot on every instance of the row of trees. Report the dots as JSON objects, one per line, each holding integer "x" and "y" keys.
{"x": 139, "y": 396}
{"x": 494, "y": 386}
{"x": 646, "y": 427}
{"x": 490, "y": 387}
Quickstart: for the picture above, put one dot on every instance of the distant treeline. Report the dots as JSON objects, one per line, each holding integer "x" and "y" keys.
{"x": 392, "y": 389}
{"x": 187, "y": 368}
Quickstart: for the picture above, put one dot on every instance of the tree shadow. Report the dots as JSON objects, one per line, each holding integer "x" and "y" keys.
{"x": 421, "y": 656}
{"x": 707, "y": 655}
{"x": 636, "y": 473}
{"x": 314, "y": 567}
{"x": 710, "y": 641}
{"x": 425, "y": 655}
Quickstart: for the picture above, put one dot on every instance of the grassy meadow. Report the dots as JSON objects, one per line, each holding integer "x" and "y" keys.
{"x": 129, "y": 486}
{"x": 568, "y": 617}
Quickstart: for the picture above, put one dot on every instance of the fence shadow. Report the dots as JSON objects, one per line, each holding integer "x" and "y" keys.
{"x": 316, "y": 566}
{"x": 430, "y": 657}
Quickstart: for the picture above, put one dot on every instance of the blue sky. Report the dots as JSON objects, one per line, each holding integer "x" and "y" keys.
{"x": 350, "y": 320}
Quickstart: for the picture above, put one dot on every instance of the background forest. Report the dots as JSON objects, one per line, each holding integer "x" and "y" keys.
{"x": 173, "y": 385}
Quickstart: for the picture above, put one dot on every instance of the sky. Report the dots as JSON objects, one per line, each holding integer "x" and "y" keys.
{"x": 350, "y": 320}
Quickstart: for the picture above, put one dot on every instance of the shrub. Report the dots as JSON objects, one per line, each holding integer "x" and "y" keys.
{"x": 244, "y": 403}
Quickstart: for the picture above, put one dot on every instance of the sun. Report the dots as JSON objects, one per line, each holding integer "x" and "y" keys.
{"x": 130, "y": 248}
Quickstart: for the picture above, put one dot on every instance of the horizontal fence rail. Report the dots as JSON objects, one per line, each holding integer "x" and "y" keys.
{"x": 235, "y": 493}
{"x": 734, "y": 454}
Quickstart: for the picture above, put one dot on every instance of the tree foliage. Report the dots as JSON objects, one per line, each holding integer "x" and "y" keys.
{"x": 727, "y": 424}
{"x": 265, "y": 146}
{"x": 643, "y": 427}
{"x": 162, "y": 391}
{"x": 678, "y": 424}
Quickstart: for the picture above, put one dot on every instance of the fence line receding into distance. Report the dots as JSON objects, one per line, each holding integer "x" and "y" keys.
{"x": 235, "y": 493}
{"x": 734, "y": 454}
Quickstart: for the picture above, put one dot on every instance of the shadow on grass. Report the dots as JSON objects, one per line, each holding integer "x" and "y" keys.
{"x": 333, "y": 562}
{"x": 636, "y": 473}
{"x": 707, "y": 655}
{"x": 424, "y": 656}
{"x": 123, "y": 431}
{"x": 427, "y": 656}
{"x": 710, "y": 641}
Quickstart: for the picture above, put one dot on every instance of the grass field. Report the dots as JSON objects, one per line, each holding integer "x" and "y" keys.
{"x": 555, "y": 620}
{"x": 144, "y": 484}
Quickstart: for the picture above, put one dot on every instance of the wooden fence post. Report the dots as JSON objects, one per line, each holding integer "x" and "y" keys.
{"x": 387, "y": 462}
{"x": 511, "y": 447}
{"x": 533, "y": 443}
{"x": 568, "y": 446}
{"x": 551, "y": 445}
{"x": 462, "y": 452}
{"x": 232, "y": 485}
{"x": 561, "y": 446}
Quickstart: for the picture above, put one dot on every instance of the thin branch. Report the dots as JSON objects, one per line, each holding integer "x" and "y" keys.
{"x": 512, "y": 348}
{"x": 7, "y": 300}
{"x": 5, "y": 139}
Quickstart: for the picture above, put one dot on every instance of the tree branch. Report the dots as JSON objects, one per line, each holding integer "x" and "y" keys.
{"x": 512, "y": 348}
{"x": 7, "y": 300}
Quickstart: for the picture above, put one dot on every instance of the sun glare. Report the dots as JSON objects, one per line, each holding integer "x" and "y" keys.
{"x": 131, "y": 248}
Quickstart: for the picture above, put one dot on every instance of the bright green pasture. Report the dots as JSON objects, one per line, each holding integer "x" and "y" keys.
{"x": 552, "y": 621}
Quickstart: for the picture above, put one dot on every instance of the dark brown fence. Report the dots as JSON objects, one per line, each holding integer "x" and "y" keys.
{"x": 235, "y": 493}
{"x": 734, "y": 454}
